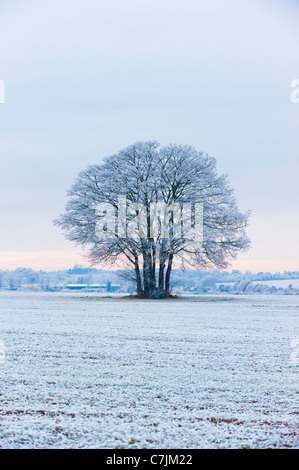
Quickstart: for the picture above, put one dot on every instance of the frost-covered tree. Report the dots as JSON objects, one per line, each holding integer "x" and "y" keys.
{"x": 148, "y": 175}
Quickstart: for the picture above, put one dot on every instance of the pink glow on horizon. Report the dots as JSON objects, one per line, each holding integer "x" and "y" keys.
{"x": 59, "y": 260}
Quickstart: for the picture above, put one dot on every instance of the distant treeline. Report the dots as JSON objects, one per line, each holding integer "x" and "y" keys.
{"x": 189, "y": 281}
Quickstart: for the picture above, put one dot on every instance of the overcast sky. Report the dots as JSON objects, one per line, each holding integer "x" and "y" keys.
{"x": 85, "y": 78}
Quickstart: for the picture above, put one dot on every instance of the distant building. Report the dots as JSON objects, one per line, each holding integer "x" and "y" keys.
{"x": 102, "y": 287}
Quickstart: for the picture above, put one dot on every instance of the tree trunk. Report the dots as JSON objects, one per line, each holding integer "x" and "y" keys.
{"x": 138, "y": 278}
{"x": 147, "y": 272}
{"x": 153, "y": 270}
{"x": 167, "y": 277}
{"x": 161, "y": 276}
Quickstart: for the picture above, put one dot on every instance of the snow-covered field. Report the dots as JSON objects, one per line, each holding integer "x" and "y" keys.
{"x": 206, "y": 372}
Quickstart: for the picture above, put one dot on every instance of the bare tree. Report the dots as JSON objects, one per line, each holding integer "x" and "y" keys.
{"x": 148, "y": 175}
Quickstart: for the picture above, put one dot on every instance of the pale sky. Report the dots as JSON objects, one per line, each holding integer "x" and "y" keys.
{"x": 85, "y": 78}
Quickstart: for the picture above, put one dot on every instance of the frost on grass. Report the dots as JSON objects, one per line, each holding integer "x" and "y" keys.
{"x": 112, "y": 373}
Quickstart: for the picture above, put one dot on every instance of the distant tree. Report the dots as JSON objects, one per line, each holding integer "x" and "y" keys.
{"x": 147, "y": 175}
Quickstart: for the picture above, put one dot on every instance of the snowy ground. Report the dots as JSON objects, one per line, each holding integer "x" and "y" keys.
{"x": 84, "y": 371}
